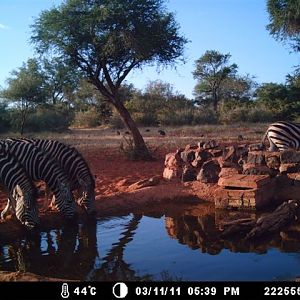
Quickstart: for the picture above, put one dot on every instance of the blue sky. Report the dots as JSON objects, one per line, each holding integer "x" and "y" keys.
{"x": 237, "y": 27}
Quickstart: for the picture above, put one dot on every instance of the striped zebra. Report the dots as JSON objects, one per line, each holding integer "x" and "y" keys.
{"x": 74, "y": 165}
{"x": 42, "y": 167}
{"x": 22, "y": 192}
{"x": 283, "y": 135}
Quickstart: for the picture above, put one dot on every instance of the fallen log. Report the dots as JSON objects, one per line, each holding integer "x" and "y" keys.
{"x": 272, "y": 222}
{"x": 282, "y": 216}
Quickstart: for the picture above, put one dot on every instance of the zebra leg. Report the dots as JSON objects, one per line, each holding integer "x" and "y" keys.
{"x": 52, "y": 204}
{"x": 47, "y": 199}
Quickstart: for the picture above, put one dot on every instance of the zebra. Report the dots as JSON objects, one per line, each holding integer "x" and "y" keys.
{"x": 22, "y": 192}
{"x": 74, "y": 165}
{"x": 282, "y": 135}
{"x": 42, "y": 167}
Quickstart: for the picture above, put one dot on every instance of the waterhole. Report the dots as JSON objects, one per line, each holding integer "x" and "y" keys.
{"x": 154, "y": 246}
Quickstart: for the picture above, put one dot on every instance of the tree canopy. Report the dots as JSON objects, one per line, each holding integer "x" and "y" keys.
{"x": 212, "y": 70}
{"x": 284, "y": 23}
{"x": 106, "y": 39}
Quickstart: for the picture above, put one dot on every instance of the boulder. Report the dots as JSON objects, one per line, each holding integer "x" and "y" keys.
{"x": 189, "y": 174}
{"x": 289, "y": 168}
{"x": 256, "y": 147}
{"x": 253, "y": 169}
{"x": 187, "y": 156}
{"x": 228, "y": 172}
{"x": 172, "y": 174}
{"x": 173, "y": 160}
{"x": 209, "y": 172}
{"x": 289, "y": 156}
{"x": 215, "y": 152}
{"x": 256, "y": 157}
{"x": 272, "y": 160}
{"x": 201, "y": 156}
{"x": 191, "y": 147}
{"x": 210, "y": 144}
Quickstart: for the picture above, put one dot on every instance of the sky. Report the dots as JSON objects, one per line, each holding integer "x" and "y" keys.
{"x": 237, "y": 27}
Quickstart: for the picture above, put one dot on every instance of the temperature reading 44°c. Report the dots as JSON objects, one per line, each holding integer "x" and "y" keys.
{"x": 87, "y": 290}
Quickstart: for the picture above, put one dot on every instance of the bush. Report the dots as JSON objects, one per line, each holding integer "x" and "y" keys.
{"x": 89, "y": 118}
{"x": 205, "y": 115}
{"x": 145, "y": 119}
{"x": 115, "y": 121}
{"x": 56, "y": 118}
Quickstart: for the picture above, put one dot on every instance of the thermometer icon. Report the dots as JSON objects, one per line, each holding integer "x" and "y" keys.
{"x": 65, "y": 291}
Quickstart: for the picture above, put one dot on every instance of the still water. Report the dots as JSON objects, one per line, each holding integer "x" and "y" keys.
{"x": 148, "y": 247}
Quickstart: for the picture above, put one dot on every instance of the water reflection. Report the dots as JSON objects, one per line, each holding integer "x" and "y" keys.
{"x": 205, "y": 233}
{"x": 74, "y": 252}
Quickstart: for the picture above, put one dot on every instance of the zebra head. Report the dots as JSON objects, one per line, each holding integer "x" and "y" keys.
{"x": 66, "y": 203}
{"x": 87, "y": 196}
{"x": 26, "y": 209}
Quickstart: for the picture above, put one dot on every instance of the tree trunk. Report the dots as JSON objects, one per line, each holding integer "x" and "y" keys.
{"x": 141, "y": 149}
{"x": 23, "y": 120}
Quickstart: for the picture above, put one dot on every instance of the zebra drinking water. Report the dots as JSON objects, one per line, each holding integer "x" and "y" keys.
{"x": 74, "y": 165}
{"x": 42, "y": 167}
{"x": 283, "y": 135}
{"x": 22, "y": 192}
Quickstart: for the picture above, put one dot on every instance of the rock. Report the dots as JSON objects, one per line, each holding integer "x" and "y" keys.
{"x": 230, "y": 154}
{"x": 201, "y": 156}
{"x": 289, "y": 168}
{"x": 253, "y": 169}
{"x": 189, "y": 174}
{"x": 256, "y": 157}
{"x": 272, "y": 160}
{"x": 191, "y": 147}
{"x": 209, "y": 172}
{"x": 215, "y": 152}
{"x": 228, "y": 172}
{"x": 210, "y": 144}
{"x": 172, "y": 174}
{"x": 145, "y": 183}
{"x": 290, "y": 156}
{"x": 245, "y": 181}
{"x": 173, "y": 160}
{"x": 187, "y": 156}
{"x": 295, "y": 177}
{"x": 256, "y": 147}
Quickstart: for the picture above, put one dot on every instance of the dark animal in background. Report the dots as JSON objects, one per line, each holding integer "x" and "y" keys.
{"x": 127, "y": 132}
{"x": 118, "y": 132}
{"x": 147, "y": 130}
{"x": 161, "y": 132}
{"x": 240, "y": 137}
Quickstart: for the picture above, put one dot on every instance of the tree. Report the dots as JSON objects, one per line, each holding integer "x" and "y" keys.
{"x": 25, "y": 90}
{"x": 60, "y": 80}
{"x": 279, "y": 99}
{"x": 284, "y": 18}
{"x": 212, "y": 70}
{"x": 106, "y": 40}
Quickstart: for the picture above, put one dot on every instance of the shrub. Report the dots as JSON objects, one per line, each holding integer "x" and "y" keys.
{"x": 55, "y": 118}
{"x": 89, "y": 118}
{"x": 115, "y": 121}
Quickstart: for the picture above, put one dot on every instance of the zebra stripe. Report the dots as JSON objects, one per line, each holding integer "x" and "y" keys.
{"x": 283, "y": 135}
{"x": 42, "y": 167}
{"x": 22, "y": 192}
{"x": 74, "y": 165}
